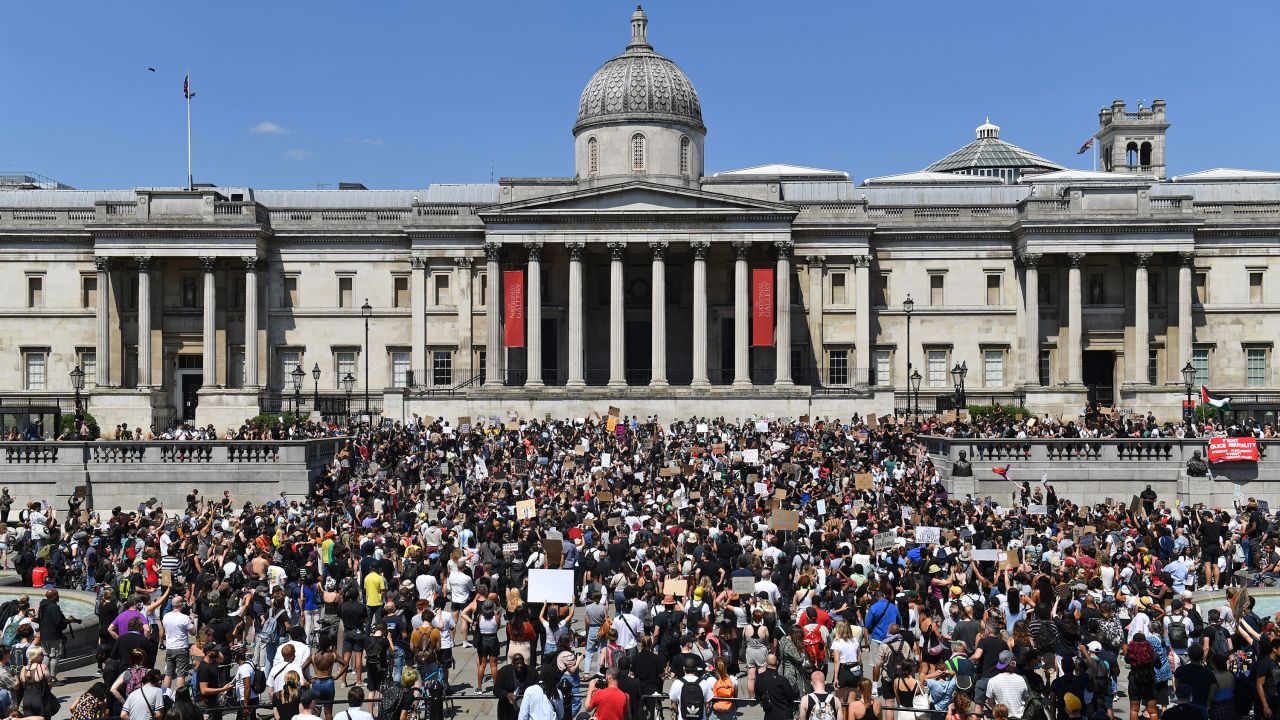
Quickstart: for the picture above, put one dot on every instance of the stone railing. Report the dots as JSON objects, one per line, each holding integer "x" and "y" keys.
{"x": 127, "y": 472}
{"x": 1082, "y": 450}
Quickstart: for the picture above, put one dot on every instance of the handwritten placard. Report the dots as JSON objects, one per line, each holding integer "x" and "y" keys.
{"x": 675, "y": 586}
{"x": 526, "y": 509}
{"x": 1037, "y": 509}
{"x": 744, "y": 584}
{"x": 926, "y": 535}
{"x": 883, "y": 541}
{"x": 751, "y": 456}
{"x": 863, "y": 481}
{"x": 784, "y": 520}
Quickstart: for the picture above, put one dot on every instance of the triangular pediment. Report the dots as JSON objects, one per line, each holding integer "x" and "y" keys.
{"x": 637, "y": 197}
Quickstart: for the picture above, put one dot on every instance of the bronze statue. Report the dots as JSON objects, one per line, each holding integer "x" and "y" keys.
{"x": 1196, "y": 466}
{"x": 961, "y": 467}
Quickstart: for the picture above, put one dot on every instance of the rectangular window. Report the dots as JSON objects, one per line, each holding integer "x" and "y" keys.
{"x": 286, "y": 361}
{"x": 235, "y": 295}
{"x": 1256, "y": 361}
{"x": 1202, "y": 287}
{"x": 882, "y": 297}
{"x": 289, "y": 292}
{"x": 481, "y": 357}
{"x": 994, "y": 287}
{"x": 1255, "y": 287}
{"x": 235, "y": 367}
{"x": 882, "y": 364}
{"x": 839, "y": 289}
{"x": 935, "y": 289}
{"x": 993, "y": 368}
{"x": 35, "y": 291}
{"x": 131, "y": 301}
{"x": 345, "y": 363}
{"x": 130, "y": 375}
{"x": 443, "y": 295}
{"x": 1043, "y": 289}
{"x": 1155, "y": 288}
{"x": 88, "y": 362}
{"x": 936, "y": 367}
{"x": 837, "y": 366}
{"x": 1097, "y": 289}
{"x": 442, "y": 367}
{"x": 33, "y": 364}
{"x": 483, "y": 279}
{"x": 1200, "y": 361}
{"x": 88, "y": 291}
{"x": 190, "y": 292}
{"x": 1153, "y": 366}
{"x": 345, "y": 285}
{"x": 1044, "y": 368}
{"x": 400, "y": 369}
{"x": 402, "y": 291}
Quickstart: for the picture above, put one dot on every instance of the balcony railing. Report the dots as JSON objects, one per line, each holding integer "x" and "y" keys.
{"x": 1088, "y": 450}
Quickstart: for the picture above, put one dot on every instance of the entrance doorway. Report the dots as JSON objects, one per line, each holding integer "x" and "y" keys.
{"x": 551, "y": 374}
{"x": 189, "y": 385}
{"x": 1099, "y": 372}
{"x": 638, "y": 352}
{"x": 726, "y": 352}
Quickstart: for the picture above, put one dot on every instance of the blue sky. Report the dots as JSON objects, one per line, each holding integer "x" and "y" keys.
{"x": 405, "y": 94}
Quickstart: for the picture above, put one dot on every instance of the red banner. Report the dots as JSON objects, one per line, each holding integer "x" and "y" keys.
{"x": 1233, "y": 449}
{"x": 762, "y": 307}
{"x": 513, "y": 298}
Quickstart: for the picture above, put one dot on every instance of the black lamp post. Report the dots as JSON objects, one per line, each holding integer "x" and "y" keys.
{"x": 913, "y": 391}
{"x": 908, "y": 306}
{"x": 1188, "y": 379}
{"x": 957, "y": 378}
{"x": 367, "y": 311}
{"x": 297, "y": 375}
{"x": 315, "y": 396}
{"x": 77, "y": 382}
{"x": 348, "y": 382}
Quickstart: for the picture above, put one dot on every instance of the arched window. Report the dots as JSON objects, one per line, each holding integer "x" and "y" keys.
{"x": 1144, "y": 155}
{"x": 684, "y": 155}
{"x": 637, "y": 153}
{"x": 1131, "y": 154}
{"x": 593, "y": 157}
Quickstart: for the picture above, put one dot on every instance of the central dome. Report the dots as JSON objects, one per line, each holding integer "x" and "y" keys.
{"x": 639, "y": 85}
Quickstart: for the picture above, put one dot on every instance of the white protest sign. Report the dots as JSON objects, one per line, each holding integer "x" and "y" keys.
{"x": 606, "y": 459}
{"x": 751, "y": 456}
{"x": 550, "y": 585}
{"x": 986, "y": 555}
{"x": 761, "y": 488}
{"x": 822, "y": 506}
{"x": 926, "y": 534}
{"x": 702, "y": 428}
{"x": 883, "y": 541}
{"x": 1037, "y": 509}
{"x": 744, "y": 585}
{"x": 762, "y": 427}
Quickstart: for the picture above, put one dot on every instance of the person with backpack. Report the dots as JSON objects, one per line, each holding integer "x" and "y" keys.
{"x": 1216, "y": 638}
{"x": 1178, "y": 628}
{"x": 820, "y": 704}
{"x": 690, "y": 693}
{"x": 1143, "y": 664}
{"x": 725, "y": 688}
{"x": 815, "y": 639}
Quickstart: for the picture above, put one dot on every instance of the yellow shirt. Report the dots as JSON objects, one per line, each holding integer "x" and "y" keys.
{"x": 374, "y": 586}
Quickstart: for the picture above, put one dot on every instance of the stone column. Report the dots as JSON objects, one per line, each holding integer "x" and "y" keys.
{"x": 617, "y": 331}
{"x": 1141, "y": 341}
{"x": 418, "y": 321}
{"x": 464, "y": 316}
{"x": 741, "y": 316}
{"x": 862, "y": 320}
{"x": 1185, "y": 300}
{"x": 782, "y": 300}
{"x": 814, "y": 304}
{"x": 700, "y": 248}
{"x": 1075, "y": 332}
{"x": 493, "y": 315}
{"x": 658, "y": 323}
{"x": 209, "y": 336}
{"x": 533, "y": 315}
{"x": 251, "y": 322}
{"x": 144, "y": 322}
{"x": 1031, "y": 301}
{"x": 103, "y": 350}
{"x": 576, "y": 249}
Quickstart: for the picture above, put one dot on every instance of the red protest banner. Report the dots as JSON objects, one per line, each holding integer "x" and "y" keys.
{"x": 762, "y": 307}
{"x": 513, "y": 299}
{"x": 1233, "y": 449}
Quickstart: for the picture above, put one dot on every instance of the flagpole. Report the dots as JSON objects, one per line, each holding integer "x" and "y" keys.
{"x": 187, "y": 86}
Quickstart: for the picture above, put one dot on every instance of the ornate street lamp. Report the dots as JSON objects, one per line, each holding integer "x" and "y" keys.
{"x": 348, "y": 382}
{"x": 77, "y": 382}
{"x": 367, "y": 311}
{"x": 908, "y": 306}
{"x": 1188, "y": 379}
{"x": 315, "y": 396}
{"x": 913, "y": 390}
{"x": 296, "y": 376}
{"x": 957, "y": 378}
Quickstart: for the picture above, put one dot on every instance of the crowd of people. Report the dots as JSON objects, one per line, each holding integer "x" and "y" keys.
{"x": 817, "y": 569}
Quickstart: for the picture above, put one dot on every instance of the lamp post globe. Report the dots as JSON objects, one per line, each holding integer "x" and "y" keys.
{"x": 1188, "y": 379}
{"x": 315, "y": 397}
{"x": 77, "y": 383}
{"x": 297, "y": 375}
{"x": 913, "y": 391}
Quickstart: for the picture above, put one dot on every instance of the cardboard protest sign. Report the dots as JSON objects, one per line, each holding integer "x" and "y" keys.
{"x": 883, "y": 541}
{"x": 675, "y": 586}
{"x": 668, "y": 472}
{"x": 717, "y": 448}
{"x": 1012, "y": 559}
{"x": 804, "y": 419}
{"x": 871, "y": 420}
{"x": 526, "y": 509}
{"x": 744, "y": 585}
{"x": 1135, "y": 504}
{"x": 166, "y": 578}
{"x": 614, "y": 412}
{"x": 863, "y": 481}
{"x": 613, "y": 521}
{"x": 554, "y": 548}
{"x": 612, "y": 424}
{"x": 926, "y": 535}
{"x": 513, "y": 425}
{"x": 949, "y": 416}
{"x": 784, "y": 520}
{"x": 781, "y": 493}
{"x": 464, "y": 421}
{"x": 554, "y": 586}
{"x": 605, "y": 497}
{"x": 695, "y": 495}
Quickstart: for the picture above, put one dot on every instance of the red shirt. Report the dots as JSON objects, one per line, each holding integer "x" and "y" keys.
{"x": 38, "y": 576}
{"x": 609, "y": 703}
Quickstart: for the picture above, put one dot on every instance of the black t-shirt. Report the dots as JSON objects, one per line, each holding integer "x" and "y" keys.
{"x": 991, "y": 647}
{"x": 208, "y": 674}
{"x": 1183, "y": 712}
{"x": 353, "y": 614}
{"x": 647, "y": 668}
{"x": 1198, "y": 677}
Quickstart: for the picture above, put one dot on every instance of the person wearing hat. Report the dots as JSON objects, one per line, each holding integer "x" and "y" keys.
{"x": 1007, "y": 687}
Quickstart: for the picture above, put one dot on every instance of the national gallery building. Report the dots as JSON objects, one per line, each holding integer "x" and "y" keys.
{"x": 644, "y": 283}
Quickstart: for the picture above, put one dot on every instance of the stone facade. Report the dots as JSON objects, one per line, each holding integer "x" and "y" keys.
{"x": 1052, "y": 286}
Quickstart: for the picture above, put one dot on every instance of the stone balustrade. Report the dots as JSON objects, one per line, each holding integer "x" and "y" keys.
{"x": 126, "y": 473}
